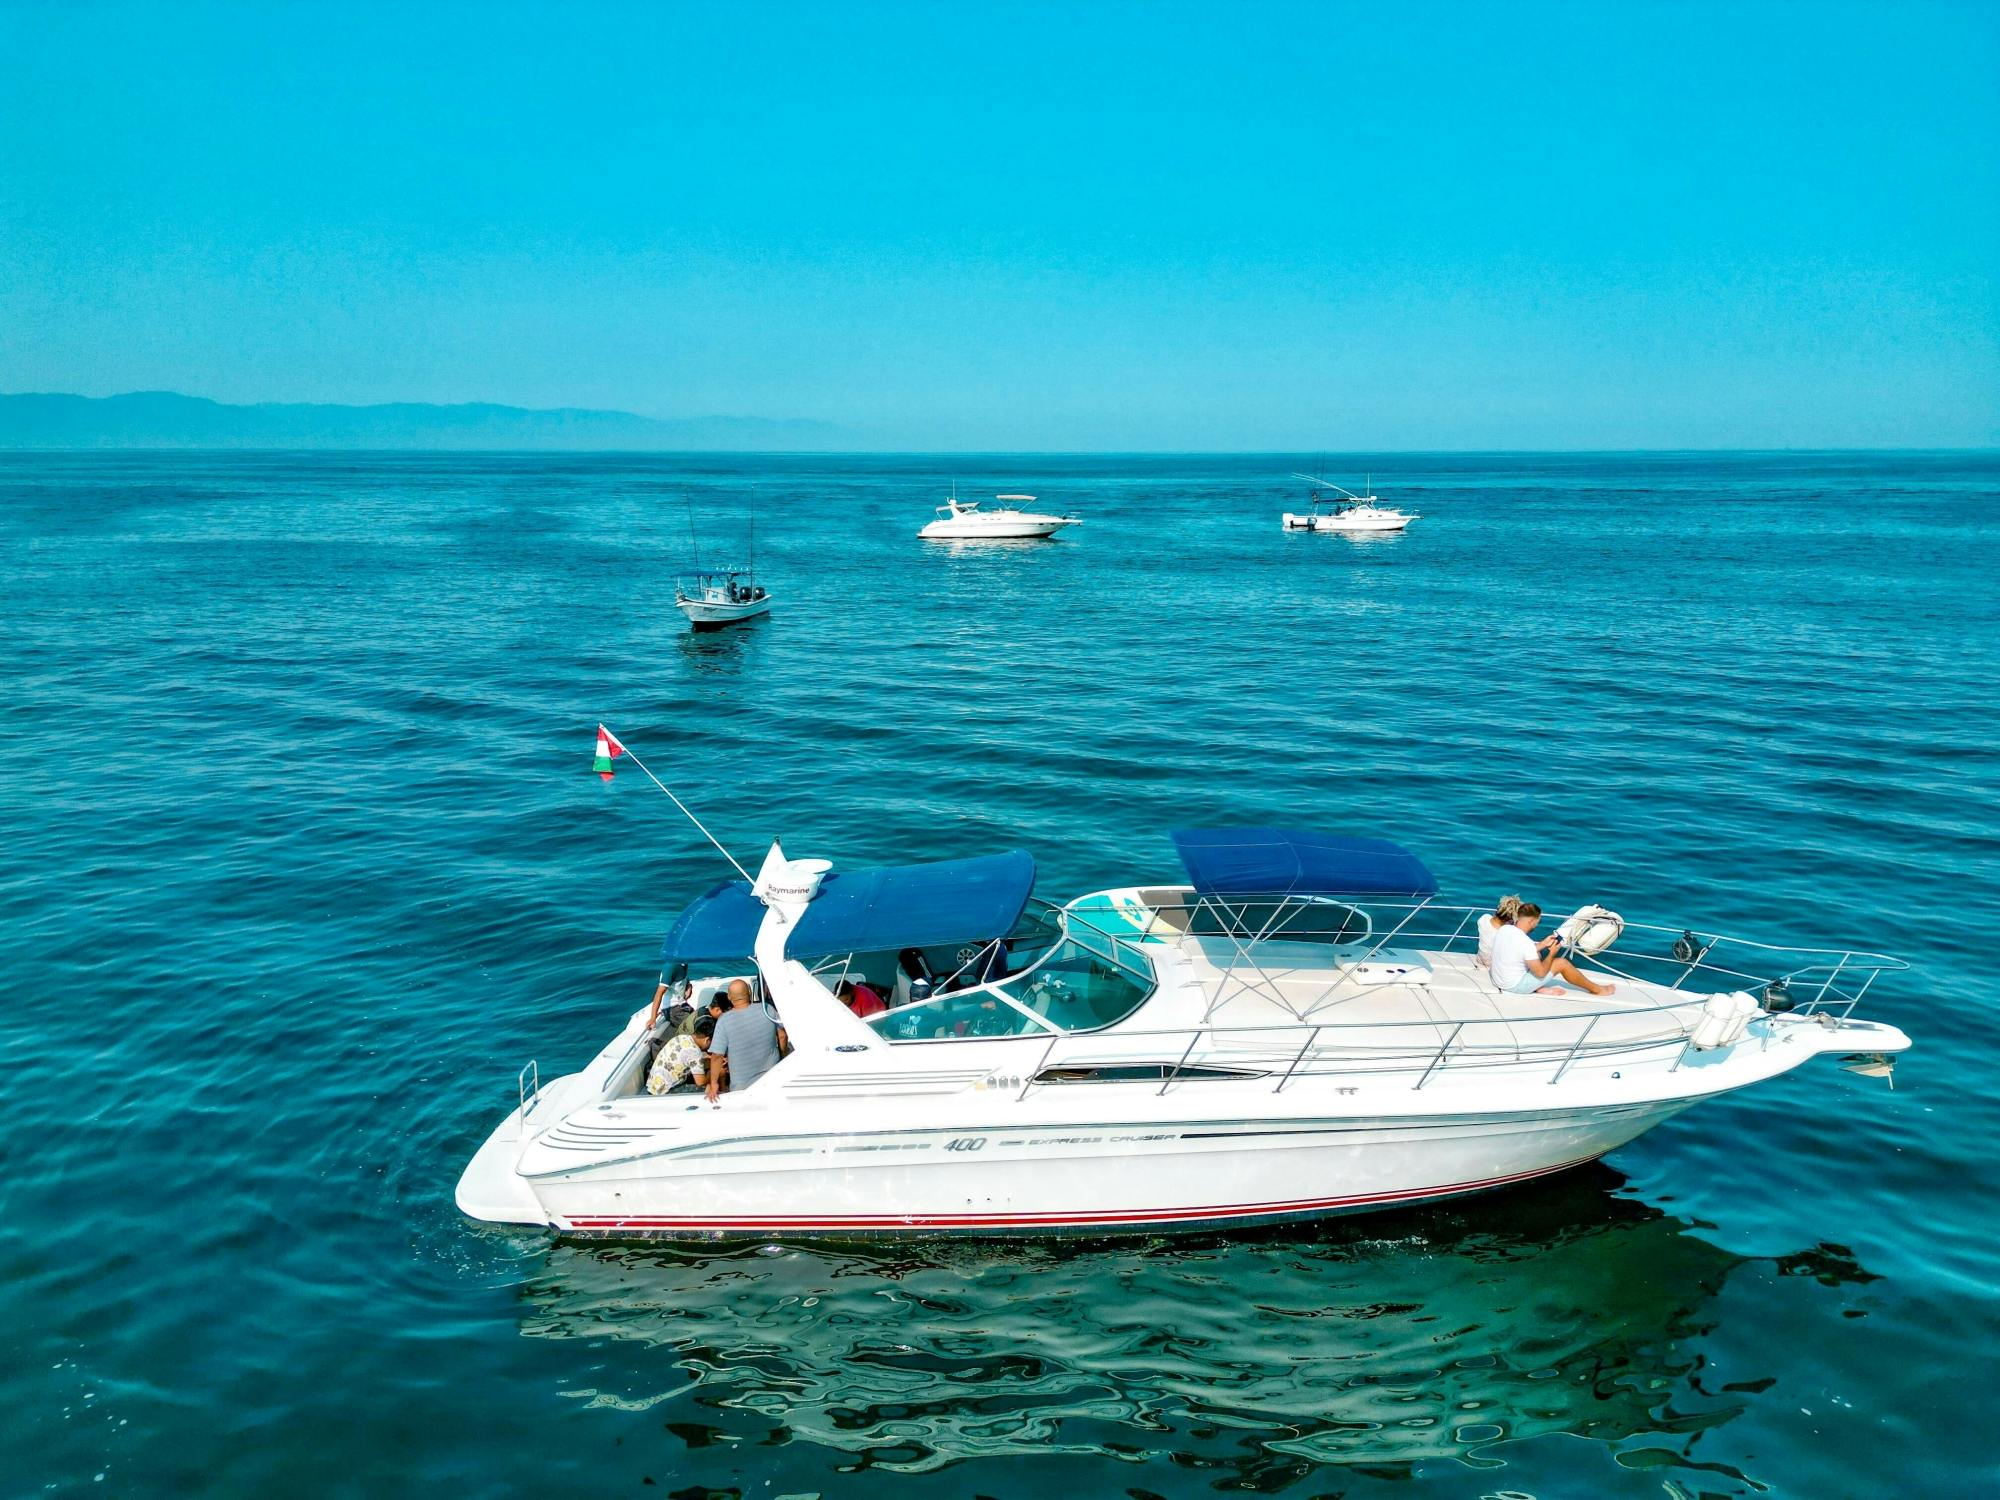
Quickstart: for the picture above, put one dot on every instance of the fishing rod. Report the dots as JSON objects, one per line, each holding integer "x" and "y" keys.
{"x": 694, "y": 538}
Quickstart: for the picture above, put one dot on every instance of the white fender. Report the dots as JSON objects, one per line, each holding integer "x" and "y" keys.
{"x": 1724, "y": 1020}
{"x": 1591, "y": 929}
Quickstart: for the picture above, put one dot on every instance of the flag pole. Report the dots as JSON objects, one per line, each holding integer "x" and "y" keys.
{"x": 684, "y": 809}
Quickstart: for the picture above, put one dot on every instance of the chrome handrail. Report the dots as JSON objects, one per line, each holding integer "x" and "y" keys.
{"x": 1167, "y": 1082}
{"x": 1821, "y": 967}
{"x": 1465, "y": 913}
{"x": 1303, "y": 1050}
{"x": 1575, "y": 1046}
{"x": 1123, "y": 944}
{"x": 1438, "y": 1061}
{"x": 1312, "y": 1060}
{"x": 1334, "y": 1047}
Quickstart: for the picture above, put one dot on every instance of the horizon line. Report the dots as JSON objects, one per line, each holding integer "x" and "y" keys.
{"x": 46, "y": 448}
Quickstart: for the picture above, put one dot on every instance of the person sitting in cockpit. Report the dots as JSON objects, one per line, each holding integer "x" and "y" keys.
{"x": 748, "y": 1043}
{"x": 711, "y": 1010}
{"x": 679, "y": 985}
{"x": 682, "y": 1061}
{"x": 861, "y": 999}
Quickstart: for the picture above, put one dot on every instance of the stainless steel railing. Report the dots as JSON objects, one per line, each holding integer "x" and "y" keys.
{"x": 1807, "y": 981}
{"x": 1814, "y": 979}
{"x": 1328, "y": 1049}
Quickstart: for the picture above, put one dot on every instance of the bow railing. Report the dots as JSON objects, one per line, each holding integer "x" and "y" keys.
{"x": 1243, "y": 932}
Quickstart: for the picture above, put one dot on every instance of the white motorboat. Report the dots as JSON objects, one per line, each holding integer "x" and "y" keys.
{"x": 1336, "y": 509}
{"x": 721, "y": 597}
{"x": 1302, "y": 1029}
{"x": 964, "y": 520}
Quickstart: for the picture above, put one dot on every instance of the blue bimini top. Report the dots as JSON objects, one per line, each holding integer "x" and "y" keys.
{"x": 865, "y": 911}
{"x": 1237, "y": 863}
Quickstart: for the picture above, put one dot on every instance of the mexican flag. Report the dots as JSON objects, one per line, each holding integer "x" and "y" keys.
{"x": 607, "y": 749}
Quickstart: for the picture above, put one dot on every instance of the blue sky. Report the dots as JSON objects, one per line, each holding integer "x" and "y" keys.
{"x": 1087, "y": 226}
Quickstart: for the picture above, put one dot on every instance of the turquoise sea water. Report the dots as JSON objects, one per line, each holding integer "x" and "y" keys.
{"x": 301, "y": 859}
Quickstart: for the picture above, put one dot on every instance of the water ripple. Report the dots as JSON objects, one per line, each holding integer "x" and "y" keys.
{"x": 302, "y": 861}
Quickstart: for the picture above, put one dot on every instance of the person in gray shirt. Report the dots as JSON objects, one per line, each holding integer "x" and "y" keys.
{"x": 747, "y": 1043}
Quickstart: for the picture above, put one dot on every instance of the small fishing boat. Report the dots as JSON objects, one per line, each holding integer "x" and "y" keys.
{"x": 1337, "y": 509}
{"x": 719, "y": 597}
{"x": 1299, "y": 1029}
{"x": 714, "y": 597}
{"x": 964, "y": 520}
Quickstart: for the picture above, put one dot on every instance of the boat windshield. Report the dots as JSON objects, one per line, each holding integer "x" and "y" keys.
{"x": 1071, "y": 988}
{"x": 1077, "y": 989}
{"x": 982, "y": 1012}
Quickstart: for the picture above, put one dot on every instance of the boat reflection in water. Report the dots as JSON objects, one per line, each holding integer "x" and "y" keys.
{"x": 1395, "y": 1340}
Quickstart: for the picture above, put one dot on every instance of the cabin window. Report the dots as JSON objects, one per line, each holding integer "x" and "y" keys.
{"x": 1141, "y": 1073}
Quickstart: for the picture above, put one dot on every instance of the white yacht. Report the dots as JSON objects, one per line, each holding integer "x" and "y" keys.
{"x": 963, "y": 520}
{"x": 720, "y": 597}
{"x": 1300, "y": 1029}
{"x": 1336, "y": 509}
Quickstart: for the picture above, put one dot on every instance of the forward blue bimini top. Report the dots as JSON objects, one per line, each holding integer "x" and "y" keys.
{"x": 866, "y": 911}
{"x": 1237, "y": 863}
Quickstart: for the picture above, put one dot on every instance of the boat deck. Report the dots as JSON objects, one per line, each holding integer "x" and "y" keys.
{"x": 1410, "y": 1001}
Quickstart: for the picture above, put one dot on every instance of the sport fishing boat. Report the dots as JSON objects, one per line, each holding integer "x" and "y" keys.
{"x": 1300, "y": 1029}
{"x": 963, "y": 520}
{"x": 1336, "y": 509}
{"x": 720, "y": 597}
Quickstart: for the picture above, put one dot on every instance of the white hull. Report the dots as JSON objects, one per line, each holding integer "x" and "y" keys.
{"x": 1349, "y": 523}
{"x": 988, "y": 1175}
{"x": 708, "y": 616}
{"x": 994, "y": 526}
{"x": 930, "y": 1147}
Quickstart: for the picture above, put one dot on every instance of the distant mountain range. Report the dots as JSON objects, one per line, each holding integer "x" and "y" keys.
{"x": 165, "y": 419}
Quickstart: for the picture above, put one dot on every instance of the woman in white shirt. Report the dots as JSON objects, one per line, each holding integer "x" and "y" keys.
{"x": 1522, "y": 966}
{"x": 1491, "y": 922}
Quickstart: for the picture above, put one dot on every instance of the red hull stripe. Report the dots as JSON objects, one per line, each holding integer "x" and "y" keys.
{"x": 1030, "y": 1221}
